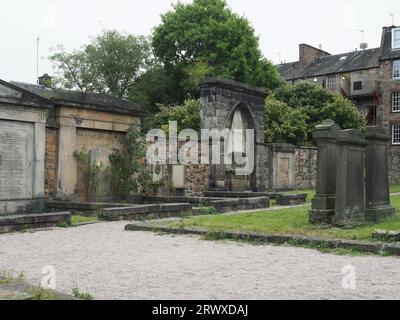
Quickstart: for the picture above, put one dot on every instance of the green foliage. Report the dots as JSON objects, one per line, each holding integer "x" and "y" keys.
{"x": 284, "y": 124}
{"x": 110, "y": 64}
{"x": 207, "y": 211}
{"x": 187, "y": 116}
{"x": 128, "y": 171}
{"x": 307, "y": 104}
{"x": 81, "y": 295}
{"x": 206, "y": 38}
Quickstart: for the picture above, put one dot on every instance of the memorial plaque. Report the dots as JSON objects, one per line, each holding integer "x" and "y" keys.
{"x": 16, "y": 157}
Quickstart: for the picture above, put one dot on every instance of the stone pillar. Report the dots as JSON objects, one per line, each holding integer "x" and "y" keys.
{"x": 323, "y": 205}
{"x": 67, "y": 178}
{"x": 377, "y": 173}
{"x": 350, "y": 182}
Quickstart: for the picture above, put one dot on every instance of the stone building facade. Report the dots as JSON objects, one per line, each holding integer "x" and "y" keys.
{"x": 22, "y": 150}
{"x": 90, "y": 123}
{"x": 371, "y": 78}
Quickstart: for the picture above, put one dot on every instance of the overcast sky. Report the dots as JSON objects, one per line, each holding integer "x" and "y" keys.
{"x": 281, "y": 26}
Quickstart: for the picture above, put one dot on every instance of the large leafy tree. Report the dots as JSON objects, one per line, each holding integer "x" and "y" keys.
{"x": 186, "y": 115}
{"x": 284, "y": 124}
{"x": 111, "y": 64}
{"x": 311, "y": 104}
{"x": 207, "y": 38}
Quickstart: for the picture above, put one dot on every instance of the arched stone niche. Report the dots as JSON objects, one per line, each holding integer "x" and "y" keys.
{"x": 223, "y": 102}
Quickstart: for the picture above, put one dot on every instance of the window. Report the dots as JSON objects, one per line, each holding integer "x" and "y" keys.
{"x": 396, "y": 69}
{"x": 357, "y": 85}
{"x": 396, "y": 134}
{"x": 332, "y": 83}
{"x": 396, "y": 102}
{"x": 396, "y": 39}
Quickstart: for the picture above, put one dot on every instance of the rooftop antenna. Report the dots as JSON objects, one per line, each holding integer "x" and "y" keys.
{"x": 363, "y": 44}
{"x": 37, "y": 59}
{"x": 392, "y": 15}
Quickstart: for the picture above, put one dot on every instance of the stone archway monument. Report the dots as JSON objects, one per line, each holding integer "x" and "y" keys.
{"x": 235, "y": 109}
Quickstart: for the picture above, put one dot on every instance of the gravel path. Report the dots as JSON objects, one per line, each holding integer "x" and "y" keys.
{"x": 111, "y": 263}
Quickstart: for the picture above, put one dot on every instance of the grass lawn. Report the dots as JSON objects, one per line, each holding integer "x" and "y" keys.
{"x": 287, "y": 221}
{"x": 395, "y": 188}
{"x": 77, "y": 219}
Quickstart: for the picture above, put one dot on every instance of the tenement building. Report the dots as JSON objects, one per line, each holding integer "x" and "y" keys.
{"x": 370, "y": 77}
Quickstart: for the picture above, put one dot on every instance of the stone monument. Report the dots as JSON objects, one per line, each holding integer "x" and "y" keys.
{"x": 227, "y": 104}
{"x": 377, "y": 175}
{"x": 323, "y": 205}
{"x": 22, "y": 150}
{"x": 350, "y": 179}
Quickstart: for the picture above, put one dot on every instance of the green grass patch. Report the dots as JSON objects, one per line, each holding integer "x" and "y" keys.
{"x": 81, "y": 295}
{"x": 290, "y": 221}
{"x": 395, "y": 188}
{"x": 78, "y": 219}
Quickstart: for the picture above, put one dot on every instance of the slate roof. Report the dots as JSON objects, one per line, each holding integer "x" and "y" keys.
{"x": 12, "y": 94}
{"x": 98, "y": 102}
{"x": 332, "y": 64}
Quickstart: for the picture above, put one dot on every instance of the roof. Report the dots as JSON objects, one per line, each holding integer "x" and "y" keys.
{"x": 12, "y": 94}
{"x": 333, "y": 64}
{"x": 98, "y": 102}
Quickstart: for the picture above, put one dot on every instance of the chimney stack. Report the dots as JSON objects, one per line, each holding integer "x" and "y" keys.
{"x": 308, "y": 54}
{"x": 46, "y": 81}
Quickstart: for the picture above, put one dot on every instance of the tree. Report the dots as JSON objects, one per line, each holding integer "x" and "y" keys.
{"x": 111, "y": 64}
{"x": 207, "y": 38}
{"x": 187, "y": 115}
{"x": 318, "y": 104}
{"x": 284, "y": 124}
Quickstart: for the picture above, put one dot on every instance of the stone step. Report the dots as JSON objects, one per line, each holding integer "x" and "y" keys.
{"x": 33, "y": 221}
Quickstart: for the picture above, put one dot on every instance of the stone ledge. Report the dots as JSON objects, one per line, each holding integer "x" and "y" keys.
{"x": 32, "y": 221}
{"x": 291, "y": 199}
{"x": 364, "y": 246}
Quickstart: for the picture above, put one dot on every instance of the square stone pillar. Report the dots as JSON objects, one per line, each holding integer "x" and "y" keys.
{"x": 350, "y": 183}
{"x": 377, "y": 172}
{"x": 323, "y": 205}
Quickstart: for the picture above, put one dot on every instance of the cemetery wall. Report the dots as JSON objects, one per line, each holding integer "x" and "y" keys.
{"x": 394, "y": 165}
{"x": 305, "y": 168}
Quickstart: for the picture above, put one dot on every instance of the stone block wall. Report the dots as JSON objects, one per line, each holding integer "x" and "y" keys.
{"x": 394, "y": 165}
{"x": 305, "y": 168}
{"x": 197, "y": 179}
{"x": 51, "y": 163}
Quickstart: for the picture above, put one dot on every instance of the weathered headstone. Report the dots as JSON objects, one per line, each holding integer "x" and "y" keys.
{"x": 377, "y": 175}
{"x": 323, "y": 205}
{"x": 350, "y": 182}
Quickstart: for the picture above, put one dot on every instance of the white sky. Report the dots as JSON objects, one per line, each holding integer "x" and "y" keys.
{"x": 281, "y": 25}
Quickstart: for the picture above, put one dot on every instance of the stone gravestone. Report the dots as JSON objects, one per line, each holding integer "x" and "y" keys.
{"x": 350, "y": 181}
{"x": 377, "y": 175}
{"x": 323, "y": 205}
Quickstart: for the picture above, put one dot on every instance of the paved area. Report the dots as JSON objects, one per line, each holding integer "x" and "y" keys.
{"x": 111, "y": 263}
